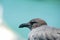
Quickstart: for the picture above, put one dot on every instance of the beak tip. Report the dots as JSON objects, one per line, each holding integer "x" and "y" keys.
{"x": 20, "y": 26}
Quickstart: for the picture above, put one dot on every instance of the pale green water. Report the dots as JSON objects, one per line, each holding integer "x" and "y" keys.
{"x": 21, "y": 11}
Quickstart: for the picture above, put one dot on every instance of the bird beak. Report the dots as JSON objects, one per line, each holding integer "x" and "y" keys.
{"x": 24, "y": 25}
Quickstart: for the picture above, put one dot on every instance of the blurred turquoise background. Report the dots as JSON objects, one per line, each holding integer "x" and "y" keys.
{"x": 21, "y": 11}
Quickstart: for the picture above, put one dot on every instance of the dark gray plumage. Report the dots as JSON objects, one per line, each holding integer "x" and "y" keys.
{"x": 41, "y": 31}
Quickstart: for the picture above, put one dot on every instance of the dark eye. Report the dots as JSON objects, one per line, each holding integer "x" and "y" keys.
{"x": 32, "y": 23}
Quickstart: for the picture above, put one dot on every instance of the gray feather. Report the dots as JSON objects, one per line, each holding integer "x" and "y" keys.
{"x": 44, "y": 33}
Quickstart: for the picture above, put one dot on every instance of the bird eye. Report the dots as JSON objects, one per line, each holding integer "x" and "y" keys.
{"x": 32, "y": 23}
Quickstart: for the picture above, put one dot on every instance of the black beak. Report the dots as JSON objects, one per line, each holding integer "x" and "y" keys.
{"x": 24, "y": 25}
